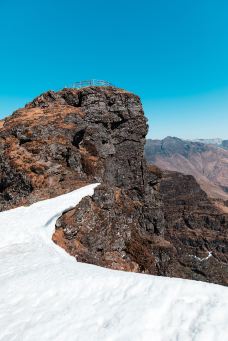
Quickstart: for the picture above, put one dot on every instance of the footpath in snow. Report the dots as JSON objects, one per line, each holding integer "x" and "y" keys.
{"x": 45, "y": 295}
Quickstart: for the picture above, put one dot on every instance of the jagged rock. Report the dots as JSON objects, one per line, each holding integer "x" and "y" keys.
{"x": 140, "y": 218}
{"x": 194, "y": 244}
{"x": 108, "y": 229}
{"x": 196, "y": 229}
{"x": 66, "y": 139}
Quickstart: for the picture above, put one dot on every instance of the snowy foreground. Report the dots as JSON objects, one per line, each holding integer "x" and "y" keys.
{"x": 46, "y": 295}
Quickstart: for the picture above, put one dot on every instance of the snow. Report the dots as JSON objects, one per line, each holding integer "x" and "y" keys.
{"x": 209, "y": 255}
{"x": 46, "y": 295}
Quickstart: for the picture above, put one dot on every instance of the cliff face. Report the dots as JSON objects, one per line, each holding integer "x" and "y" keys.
{"x": 105, "y": 230}
{"x": 139, "y": 219}
{"x": 115, "y": 228}
{"x": 63, "y": 140}
{"x": 196, "y": 229}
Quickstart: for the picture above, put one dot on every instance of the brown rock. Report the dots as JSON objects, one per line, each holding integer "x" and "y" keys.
{"x": 106, "y": 230}
{"x": 196, "y": 229}
{"x": 140, "y": 218}
{"x": 64, "y": 140}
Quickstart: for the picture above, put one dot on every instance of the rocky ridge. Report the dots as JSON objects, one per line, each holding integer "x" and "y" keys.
{"x": 140, "y": 218}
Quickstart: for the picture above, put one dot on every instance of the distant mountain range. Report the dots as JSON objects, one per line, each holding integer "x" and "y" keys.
{"x": 217, "y": 141}
{"x": 206, "y": 160}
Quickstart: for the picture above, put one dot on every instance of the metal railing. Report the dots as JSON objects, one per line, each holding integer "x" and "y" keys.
{"x": 91, "y": 82}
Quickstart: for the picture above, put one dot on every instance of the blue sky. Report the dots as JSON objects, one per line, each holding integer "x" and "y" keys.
{"x": 174, "y": 54}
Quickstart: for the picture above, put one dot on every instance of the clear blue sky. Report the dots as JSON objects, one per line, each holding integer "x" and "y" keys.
{"x": 174, "y": 54}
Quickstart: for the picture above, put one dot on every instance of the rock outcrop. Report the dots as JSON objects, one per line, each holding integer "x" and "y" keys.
{"x": 114, "y": 229}
{"x": 66, "y": 139}
{"x": 196, "y": 229}
{"x": 140, "y": 218}
{"x": 104, "y": 230}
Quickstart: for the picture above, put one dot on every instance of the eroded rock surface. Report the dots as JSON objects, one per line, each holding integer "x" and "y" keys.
{"x": 140, "y": 218}
{"x": 66, "y": 139}
{"x": 197, "y": 230}
{"x": 109, "y": 229}
{"x": 106, "y": 230}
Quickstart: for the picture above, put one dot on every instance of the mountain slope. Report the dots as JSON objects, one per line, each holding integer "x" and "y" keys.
{"x": 46, "y": 295}
{"x": 207, "y": 163}
{"x": 64, "y": 140}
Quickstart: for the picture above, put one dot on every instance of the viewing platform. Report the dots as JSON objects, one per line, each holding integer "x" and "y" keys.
{"x": 91, "y": 82}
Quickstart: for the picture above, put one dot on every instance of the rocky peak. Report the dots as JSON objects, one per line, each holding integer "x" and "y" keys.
{"x": 72, "y": 136}
{"x": 139, "y": 218}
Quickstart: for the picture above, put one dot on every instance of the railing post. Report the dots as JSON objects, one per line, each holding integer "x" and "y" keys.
{"x": 91, "y": 82}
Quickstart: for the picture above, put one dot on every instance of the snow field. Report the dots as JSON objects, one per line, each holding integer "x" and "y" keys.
{"x": 46, "y": 295}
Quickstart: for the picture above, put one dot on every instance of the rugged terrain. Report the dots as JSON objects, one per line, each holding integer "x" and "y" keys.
{"x": 139, "y": 219}
{"x": 103, "y": 230}
{"x": 46, "y": 295}
{"x": 196, "y": 229}
{"x": 206, "y": 162}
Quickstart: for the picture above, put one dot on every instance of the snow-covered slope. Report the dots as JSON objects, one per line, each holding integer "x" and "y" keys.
{"x": 46, "y": 295}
